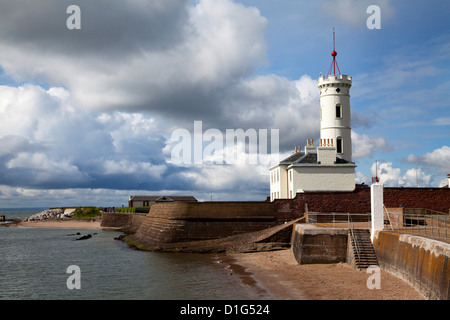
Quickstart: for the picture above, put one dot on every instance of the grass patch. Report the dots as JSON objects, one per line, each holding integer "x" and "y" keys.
{"x": 133, "y": 210}
{"x": 86, "y": 213}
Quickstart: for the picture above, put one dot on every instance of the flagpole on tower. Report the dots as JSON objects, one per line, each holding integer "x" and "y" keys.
{"x": 334, "y": 63}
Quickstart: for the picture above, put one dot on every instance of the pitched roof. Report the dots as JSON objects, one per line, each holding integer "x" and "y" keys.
{"x": 292, "y": 158}
{"x": 309, "y": 158}
{"x": 163, "y": 198}
{"x": 300, "y": 158}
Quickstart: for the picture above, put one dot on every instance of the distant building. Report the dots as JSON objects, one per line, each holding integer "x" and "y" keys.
{"x": 328, "y": 166}
{"x": 146, "y": 201}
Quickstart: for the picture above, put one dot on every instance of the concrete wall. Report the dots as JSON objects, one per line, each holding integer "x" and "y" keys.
{"x": 321, "y": 177}
{"x": 311, "y": 244}
{"x": 422, "y": 262}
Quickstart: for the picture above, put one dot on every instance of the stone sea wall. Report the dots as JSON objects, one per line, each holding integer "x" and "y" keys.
{"x": 190, "y": 221}
{"x": 420, "y": 261}
{"x": 127, "y": 222}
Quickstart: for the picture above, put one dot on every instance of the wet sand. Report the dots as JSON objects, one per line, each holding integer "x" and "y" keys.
{"x": 67, "y": 224}
{"x": 280, "y": 274}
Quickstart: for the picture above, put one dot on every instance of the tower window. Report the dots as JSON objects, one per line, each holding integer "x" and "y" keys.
{"x": 338, "y": 111}
{"x": 339, "y": 145}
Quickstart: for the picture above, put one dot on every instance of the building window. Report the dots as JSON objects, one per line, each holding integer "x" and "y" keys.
{"x": 290, "y": 175}
{"x": 339, "y": 145}
{"x": 338, "y": 111}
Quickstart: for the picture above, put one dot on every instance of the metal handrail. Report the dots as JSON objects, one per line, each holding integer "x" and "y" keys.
{"x": 313, "y": 216}
{"x": 350, "y": 222}
{"x": 434, "y": 226}
{"x": 389, "y": 217}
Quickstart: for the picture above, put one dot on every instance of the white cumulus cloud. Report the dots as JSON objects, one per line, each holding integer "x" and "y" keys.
{"x": 365, "y": 146}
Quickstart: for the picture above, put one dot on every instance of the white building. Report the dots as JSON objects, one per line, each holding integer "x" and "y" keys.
{"x": 328, "y": 166}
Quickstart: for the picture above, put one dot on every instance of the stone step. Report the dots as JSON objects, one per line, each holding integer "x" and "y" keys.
{"x": 367, "y": 256}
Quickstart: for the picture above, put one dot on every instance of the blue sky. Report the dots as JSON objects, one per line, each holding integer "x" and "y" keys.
{"x": 86, "y": 116}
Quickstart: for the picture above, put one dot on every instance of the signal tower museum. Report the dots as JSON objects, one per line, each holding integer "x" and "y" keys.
{"x": 327, "y": 166}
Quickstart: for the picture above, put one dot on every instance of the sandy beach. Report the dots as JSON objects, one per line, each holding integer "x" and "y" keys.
{"x": 67, "y": 224}
{"x": 281, "y": 275}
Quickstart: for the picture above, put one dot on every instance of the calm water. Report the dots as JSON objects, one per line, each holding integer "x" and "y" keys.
{"x": 34, "y": 264}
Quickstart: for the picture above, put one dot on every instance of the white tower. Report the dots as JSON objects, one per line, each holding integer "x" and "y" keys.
{"x": 335, "y": 111}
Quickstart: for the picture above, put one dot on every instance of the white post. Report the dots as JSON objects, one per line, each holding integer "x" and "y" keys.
{"x": 376, "y": 199}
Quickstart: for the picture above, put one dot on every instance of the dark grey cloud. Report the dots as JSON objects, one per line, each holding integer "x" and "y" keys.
{"x": 168, "y": 57}
{"x": 109, "y": 28}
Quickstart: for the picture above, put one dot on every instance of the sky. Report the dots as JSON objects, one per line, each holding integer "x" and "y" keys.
{"x": 90, "y": 116}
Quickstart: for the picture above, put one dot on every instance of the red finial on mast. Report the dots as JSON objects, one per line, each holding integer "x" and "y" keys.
{"x": 334, "y": 62}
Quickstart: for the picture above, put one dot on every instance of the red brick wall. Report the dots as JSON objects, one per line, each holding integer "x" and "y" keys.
{"x": 358, "y": 201}
{"x": 430, "y": 198}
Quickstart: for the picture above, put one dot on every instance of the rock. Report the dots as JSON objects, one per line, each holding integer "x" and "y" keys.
{"x": 46, "y": 214}
{"x": 121, "y": 237}
{"x": 68, "y": 212}
{"x": 74, "y": 234}
{"x": 87, "y": 236}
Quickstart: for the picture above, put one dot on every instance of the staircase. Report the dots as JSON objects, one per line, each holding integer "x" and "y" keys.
{"x": 363, "y": 252}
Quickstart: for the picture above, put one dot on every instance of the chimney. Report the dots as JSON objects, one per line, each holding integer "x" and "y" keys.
{"x": 326, "y": 152}
{"x": 310, "y": 147}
